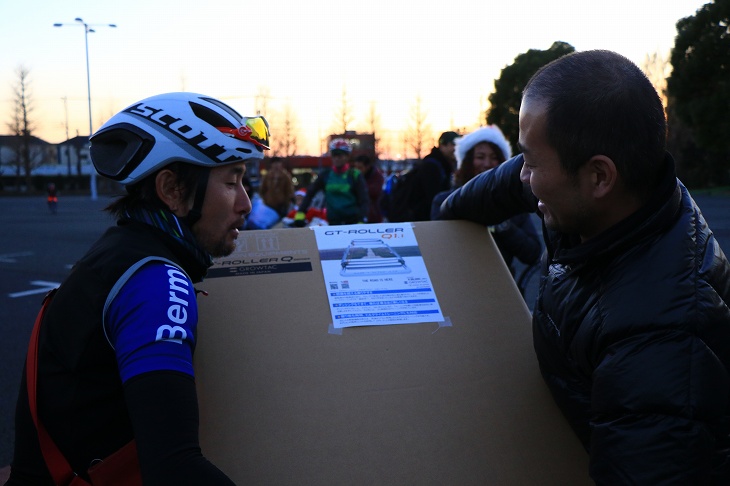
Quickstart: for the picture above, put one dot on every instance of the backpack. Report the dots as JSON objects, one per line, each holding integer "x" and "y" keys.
{"x": 401, "y": 199}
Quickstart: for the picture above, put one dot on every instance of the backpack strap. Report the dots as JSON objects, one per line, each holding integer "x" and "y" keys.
{"x": 57, "y": 464}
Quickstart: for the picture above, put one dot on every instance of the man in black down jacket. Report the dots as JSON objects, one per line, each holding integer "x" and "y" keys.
{"x": 631, "y": 326}
{"x": 434, "y": 176}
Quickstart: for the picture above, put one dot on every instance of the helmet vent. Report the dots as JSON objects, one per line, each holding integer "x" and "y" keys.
{"x": 209, "y": 116}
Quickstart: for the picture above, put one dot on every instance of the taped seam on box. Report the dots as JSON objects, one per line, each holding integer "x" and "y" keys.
{"x": 445, "y": 323}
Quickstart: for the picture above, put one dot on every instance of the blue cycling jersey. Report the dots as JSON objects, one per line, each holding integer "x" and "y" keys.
{"x": 152, "y": 321}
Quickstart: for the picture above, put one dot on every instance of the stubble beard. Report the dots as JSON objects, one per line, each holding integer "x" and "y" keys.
{"x": 215, "y": 247}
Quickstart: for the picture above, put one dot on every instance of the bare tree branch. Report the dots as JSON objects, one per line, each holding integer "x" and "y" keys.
{"x": 418, "y": 132}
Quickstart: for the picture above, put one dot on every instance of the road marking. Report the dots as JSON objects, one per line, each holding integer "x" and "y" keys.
{"x": 10, "y": 257}
{"x": 45, "y": 287}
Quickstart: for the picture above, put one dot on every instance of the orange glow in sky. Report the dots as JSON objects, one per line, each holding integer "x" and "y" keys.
{"x": 302, "y": 54}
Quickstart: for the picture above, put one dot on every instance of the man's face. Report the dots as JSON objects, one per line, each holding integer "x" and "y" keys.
{"x": 448, "y": 150}
{"x": 563, "y": 199}
{"x": 339, "y": 159}
{"x": 485, "y": 158}
{"x": 360, "y": 166}
{"x": 224, "y": 207}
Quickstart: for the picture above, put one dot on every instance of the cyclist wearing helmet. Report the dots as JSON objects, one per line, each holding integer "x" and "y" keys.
{"x": 344, "y": 188}
{"x": 114, "y": 359}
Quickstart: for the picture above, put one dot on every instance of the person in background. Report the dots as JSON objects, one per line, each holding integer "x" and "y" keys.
{"x": 434, "y": 175}
{"x": 344, "y": 188}
{"x": 277, "y": 189}
{"x": 248, "y": 186}
{"x": 289, "y": 219}
{"x": 298, "y": 198}
{"x": 374, "y": 180}
{"x": 52, "y": 198}
{"x": 261, "y": 216}
{"x": 115, "y": 353}
{"x": 517, "y": 237}
{"x": 632, "y": 321}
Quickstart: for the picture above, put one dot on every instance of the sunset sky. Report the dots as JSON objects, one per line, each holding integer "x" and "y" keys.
{"x": 303, "y": 54}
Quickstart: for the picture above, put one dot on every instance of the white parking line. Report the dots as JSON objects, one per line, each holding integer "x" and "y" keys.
{"x": 11, "y": 257}
{"x": 45, "y": 287}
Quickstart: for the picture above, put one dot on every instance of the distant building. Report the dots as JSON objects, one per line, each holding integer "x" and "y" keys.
{"x": 41, "y": 154}
{"x": 73, "y": 157}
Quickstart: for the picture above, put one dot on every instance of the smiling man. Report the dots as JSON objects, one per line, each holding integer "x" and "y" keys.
{"x": 632, "y": 326}
{"x": 115, "y": 350}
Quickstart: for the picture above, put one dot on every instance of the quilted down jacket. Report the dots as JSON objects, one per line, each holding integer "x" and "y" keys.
{"x": 631, "y": 331}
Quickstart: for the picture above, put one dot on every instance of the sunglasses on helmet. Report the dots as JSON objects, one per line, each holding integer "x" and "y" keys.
{"x": 254, "y": 129}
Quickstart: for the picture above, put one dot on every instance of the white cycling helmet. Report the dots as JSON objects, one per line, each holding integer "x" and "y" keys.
{"x": 341, "y": 145}
{"x": 175, "y": 127}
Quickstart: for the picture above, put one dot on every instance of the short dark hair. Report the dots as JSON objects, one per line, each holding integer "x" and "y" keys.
{"x": 448, "y": 137}
{"x": 600, "y": 103}
{"x": 364, "y": 159}
{"x": 143, "y": 194}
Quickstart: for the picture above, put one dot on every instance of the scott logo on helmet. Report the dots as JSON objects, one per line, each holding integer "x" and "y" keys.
{"x": 176, "y": 126}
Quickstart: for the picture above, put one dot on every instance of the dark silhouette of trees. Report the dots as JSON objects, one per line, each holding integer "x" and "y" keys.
{"x": 699, "y": 95}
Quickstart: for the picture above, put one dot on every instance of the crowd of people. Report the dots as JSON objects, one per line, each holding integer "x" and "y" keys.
{"x": 355, "y": 191}
{"x": 631, "y": 325}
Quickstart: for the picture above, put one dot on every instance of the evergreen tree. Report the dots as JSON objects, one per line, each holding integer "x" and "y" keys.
{"x": 699, "y": 86}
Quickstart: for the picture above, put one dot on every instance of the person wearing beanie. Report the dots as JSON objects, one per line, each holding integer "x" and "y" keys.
{"x": 477, "y": 152}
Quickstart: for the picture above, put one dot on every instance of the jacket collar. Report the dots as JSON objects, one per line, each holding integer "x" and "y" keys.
{"x": 176, "y": 234}
{"x": 655, "y": 215}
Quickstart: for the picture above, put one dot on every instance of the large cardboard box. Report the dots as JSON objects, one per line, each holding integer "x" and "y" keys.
{"x": 286, "y": 399}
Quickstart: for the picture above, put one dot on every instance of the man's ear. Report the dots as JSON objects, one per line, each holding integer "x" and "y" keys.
{"x": 169, "y": 191}
{"x": 604, "y": 175}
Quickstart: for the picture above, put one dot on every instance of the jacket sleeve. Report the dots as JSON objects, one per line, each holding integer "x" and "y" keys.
{"x": 438, "y": 199}
{"x": 163, "y": 408}
{"x": 492, "y": 196}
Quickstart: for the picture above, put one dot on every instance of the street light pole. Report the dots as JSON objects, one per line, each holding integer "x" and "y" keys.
{"x": 87, "y": 29}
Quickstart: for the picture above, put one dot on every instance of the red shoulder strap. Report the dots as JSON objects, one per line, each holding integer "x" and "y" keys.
{"x": 55, "y": 461}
